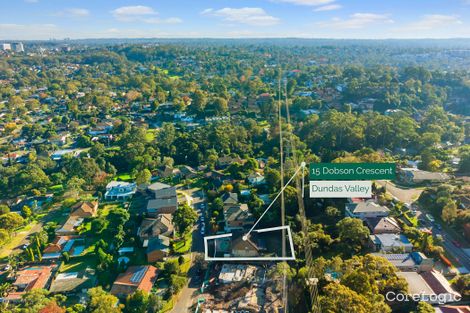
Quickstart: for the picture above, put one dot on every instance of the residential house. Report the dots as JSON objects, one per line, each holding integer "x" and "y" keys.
{"x": 120, "y": 191}
{"x": 415, "y": 176}
{"x": 58, "y": 155}
{"x": 74, "y": 282}
{"x": 230, "y": 198}
{"x": 225, "y": 161}
{"x": 30, "y": 278}
{"x": 391, "y": 243}
{"x": 366, "y": 209}
{"x": 85, "y": 209}
{"x": 216, "y": 178}
{"x": 453, "y": 309}
{"x": 100, "y": 129}
{"x": 135, "y": 278}
{"x": 162, "y": 206}
{"x": 158, "y": 248}
{"x": 73, "y": 245}
{"x": 383, "y": 225}
{"x": 244, "y": 248}
{"x": 60, "y": 139}
{"x": 432, "y": 287}
{"x": 153, "y": 227}
{"x": 168, "y": 171}
{"x": 70, "y": 226}
{"x": 237, "y": 217}
{"x": 256, "y": 179}
{"x": 161, "y": 191}
{"x": 409, "y": 262}
{"x": 165, "y": 200}
{"x": 187, "y": 172}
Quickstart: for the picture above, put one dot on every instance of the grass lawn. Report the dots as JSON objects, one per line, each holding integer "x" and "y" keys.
{"x": 186, "y": 265}
{"x": 104, "y": 210}
{"x": 183, "y": 246}
{"x": 79, "y": 264}
{"x": 15, "y": 240}
{"x": 168, "y": 305}
{"x": 57, "y": 188}
{"x": 124, "y": 177}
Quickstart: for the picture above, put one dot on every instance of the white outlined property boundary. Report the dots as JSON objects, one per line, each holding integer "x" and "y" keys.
{"x": 264, "y": 230}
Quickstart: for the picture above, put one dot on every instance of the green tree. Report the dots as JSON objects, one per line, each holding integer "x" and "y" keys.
{"x": 449, "y": 212}
{"x": 4, "y": 209}
{"x": 352, "y": 232}
{"x": 143, "y": 177}
{"x": 177, "y": 283}
{"x": 137, "y": 302}
{"x": 424, "y": 307}
{"x": 102, "y": 302}
{"x": 184, "y": 218}
{"x": 26, "y": 211}
{"x": 11, "y": 221}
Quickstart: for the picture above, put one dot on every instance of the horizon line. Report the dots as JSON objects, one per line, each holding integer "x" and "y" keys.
{"x": 232, "y": 38}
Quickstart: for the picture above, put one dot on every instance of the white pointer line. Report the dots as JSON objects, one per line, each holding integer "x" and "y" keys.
{"x": 245, "y": 237}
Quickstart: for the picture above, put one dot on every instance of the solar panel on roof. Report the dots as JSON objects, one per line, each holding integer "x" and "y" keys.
{"x": 137, "y": 276}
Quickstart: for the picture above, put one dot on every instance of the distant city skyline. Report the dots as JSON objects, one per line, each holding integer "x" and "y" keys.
{"x": 348, "y": 19}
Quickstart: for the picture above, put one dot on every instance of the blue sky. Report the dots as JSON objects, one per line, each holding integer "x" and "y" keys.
{"x": 45, "y": 19}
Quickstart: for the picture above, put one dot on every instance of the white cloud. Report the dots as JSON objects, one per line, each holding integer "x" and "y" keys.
{"x": 433, "y": 21}
{"x": 248, "y": 16}
{"x": 31, "y": 1}
{"x": 74, "y": 12}
{"x": 132, "y": 13}
{"x": 308, "y": 2}
{"x": 356, "y": 21}
{"x": 328, "y": 7}
{"x": 140, "y": 13}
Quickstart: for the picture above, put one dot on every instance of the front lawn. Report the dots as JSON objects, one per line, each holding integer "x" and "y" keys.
{"x": 124, "y": 177}
{"x": 79, "y": 264}
{"x": 182, "y": 246}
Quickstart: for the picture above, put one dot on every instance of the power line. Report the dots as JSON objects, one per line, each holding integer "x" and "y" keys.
{"x": 312, "y": 282}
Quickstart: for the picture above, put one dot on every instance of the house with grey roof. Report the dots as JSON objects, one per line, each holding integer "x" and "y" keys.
{"x": 366, "y": 209}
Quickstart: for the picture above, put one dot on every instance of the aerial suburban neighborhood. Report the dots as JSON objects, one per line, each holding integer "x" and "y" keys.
{"x": 175, "y": 175}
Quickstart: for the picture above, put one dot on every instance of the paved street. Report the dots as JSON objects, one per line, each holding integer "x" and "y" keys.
{"x": 409, "y": 195}
{"x": 187, "y": 294}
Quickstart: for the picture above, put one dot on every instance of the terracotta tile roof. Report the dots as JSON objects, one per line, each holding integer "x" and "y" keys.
{"x": 455, "y": 309}
{"x": 439, "y": 286}
{"x": 85, "y": 209}
{"x": 33, "y": 277}
{"x": 135, "y": 278}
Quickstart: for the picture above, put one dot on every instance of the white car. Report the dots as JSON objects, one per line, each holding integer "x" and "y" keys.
{"x": 202, "y": 218}
{"x": 202, "y": 231}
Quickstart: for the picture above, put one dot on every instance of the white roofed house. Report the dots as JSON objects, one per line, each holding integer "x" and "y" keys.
{"x": 256, "y": 179}
{"x": 391, "y": 243}
{"x": 120, "y": 191}
{"x": 366, "y": 209}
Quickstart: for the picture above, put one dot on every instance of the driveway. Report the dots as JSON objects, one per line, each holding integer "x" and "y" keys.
{"x": 188, "y": 294}
{"x": 406, "y": 195}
